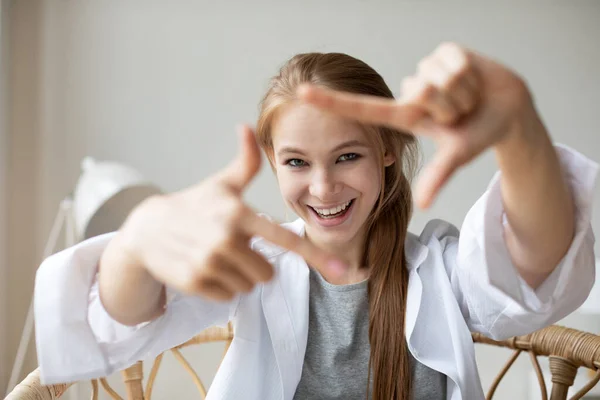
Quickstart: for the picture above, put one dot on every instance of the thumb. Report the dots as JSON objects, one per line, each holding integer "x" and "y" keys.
{"x": 240, "y": 172}
{"x": 434, "y": 177}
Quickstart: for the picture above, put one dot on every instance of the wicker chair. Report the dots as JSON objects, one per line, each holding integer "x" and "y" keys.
{"x": 568, "y": 349}
{"x": 32, "y": 389}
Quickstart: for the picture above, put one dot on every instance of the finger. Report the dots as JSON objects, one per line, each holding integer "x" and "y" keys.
{"x": 434, "y": 177}
{"x": 461, "y": 62}
{"x": 456, "y": 88}
{"x": 229, "y": 276}
{"x": 363, "y": 108}
{"x": 459, "y": 81}
{"x": 246, "y": 165}
{"x": 463, "y": 95}
{"x": 251, "y": 264}
{"x": 214, "y": 290}
{"x": 186, "y": 279}
{"x": 425, "y": 91}
{"x": 314, "y": 256}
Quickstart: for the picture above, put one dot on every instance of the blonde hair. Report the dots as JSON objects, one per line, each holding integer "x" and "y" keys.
{"x": 388, "y": 223}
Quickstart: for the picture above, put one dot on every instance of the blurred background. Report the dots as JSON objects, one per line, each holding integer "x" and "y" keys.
{"x": 160, "y": 85}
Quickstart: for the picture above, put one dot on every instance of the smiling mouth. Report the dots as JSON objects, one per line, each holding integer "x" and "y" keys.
{"x": 333, "y": 212}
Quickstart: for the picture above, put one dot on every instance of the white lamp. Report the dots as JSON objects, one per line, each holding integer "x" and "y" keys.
{"x": 105, "y": 194}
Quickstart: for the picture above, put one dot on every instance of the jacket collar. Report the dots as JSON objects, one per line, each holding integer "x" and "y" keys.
{"x": 288, "y": 330}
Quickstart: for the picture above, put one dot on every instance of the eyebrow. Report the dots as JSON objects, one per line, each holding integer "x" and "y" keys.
{"x": 350, "y": 143}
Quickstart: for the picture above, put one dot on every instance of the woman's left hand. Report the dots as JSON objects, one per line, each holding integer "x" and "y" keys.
{"x": 464, "y": 101}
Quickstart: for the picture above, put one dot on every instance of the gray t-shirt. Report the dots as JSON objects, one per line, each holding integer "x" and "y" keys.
{"x": 337, "y": 353}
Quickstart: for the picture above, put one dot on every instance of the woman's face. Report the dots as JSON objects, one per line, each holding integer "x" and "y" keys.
{"x": 327, "y": 171}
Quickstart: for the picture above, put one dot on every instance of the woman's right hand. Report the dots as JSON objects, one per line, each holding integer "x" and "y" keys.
{"x": 197, "y": 240}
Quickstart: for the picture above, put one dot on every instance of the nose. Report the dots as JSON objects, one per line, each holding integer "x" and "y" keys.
{"x": 324, "y": 185}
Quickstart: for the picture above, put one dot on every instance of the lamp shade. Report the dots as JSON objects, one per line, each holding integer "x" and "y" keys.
{"x": 105, "y": 194}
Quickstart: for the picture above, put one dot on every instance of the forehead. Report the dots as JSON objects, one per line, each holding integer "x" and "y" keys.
{"x": 307, "y": 127}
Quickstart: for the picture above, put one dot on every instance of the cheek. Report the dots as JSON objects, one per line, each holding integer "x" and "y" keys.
{"x": 370, "y": 186}
{"x": 290, "y": 186}
{"x": 368, "y": 181}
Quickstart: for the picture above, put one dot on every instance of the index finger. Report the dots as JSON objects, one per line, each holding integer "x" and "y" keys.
{"x": 278, "y": 235}
{"x": 363, "y": 108}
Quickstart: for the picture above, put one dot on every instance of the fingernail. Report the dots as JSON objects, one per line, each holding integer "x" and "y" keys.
{"x": 337, "y": 267}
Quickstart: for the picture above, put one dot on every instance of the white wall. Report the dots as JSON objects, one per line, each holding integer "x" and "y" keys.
{"x": 4, "y": 10}
{"x": 160, "y": 85}
{"x": 25, "y": 222}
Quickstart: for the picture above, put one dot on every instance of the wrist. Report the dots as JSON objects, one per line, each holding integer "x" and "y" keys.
{"x": 128, "y": 244}
{"x": 121, "y": 252}
{"x": 119, "y": 260}
{"x": 128, "y": 291}
{"x": 525, "y": 140}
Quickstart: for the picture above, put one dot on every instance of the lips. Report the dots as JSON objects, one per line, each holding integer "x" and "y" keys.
{"x": 334, "y": 211}
{"x": 330, "y": 221}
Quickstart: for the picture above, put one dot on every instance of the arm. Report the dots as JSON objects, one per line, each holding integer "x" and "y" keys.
{"x": 498, "y": 300}
{"x": 192, "y": 242}
{"x": 492, "y": 294}
{"x": 468, "y": 103}
{"x": 537, "y": 201}
{"x": 77, "y": 339}
{"x": 127, "y": 291}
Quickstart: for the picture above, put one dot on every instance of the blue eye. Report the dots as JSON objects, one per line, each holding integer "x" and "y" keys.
{"x": 348, "y": 157}
{"x": 295, "y": 162}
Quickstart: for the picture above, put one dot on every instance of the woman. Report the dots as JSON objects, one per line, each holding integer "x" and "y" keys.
{"x": 343, "y": 302}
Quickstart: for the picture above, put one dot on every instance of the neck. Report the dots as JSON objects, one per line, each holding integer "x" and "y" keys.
{"x": 351, "y": 253}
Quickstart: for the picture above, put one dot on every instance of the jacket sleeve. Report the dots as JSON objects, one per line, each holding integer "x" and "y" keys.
{"x": 493, "y": 297}
{"x": 76, "y": 338}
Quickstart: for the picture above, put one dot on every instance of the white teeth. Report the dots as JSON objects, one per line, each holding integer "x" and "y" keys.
{"x": 333, "y": 210}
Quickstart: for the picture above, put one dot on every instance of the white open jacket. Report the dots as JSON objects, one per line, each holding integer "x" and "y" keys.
{"x": 457, "y": 284}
